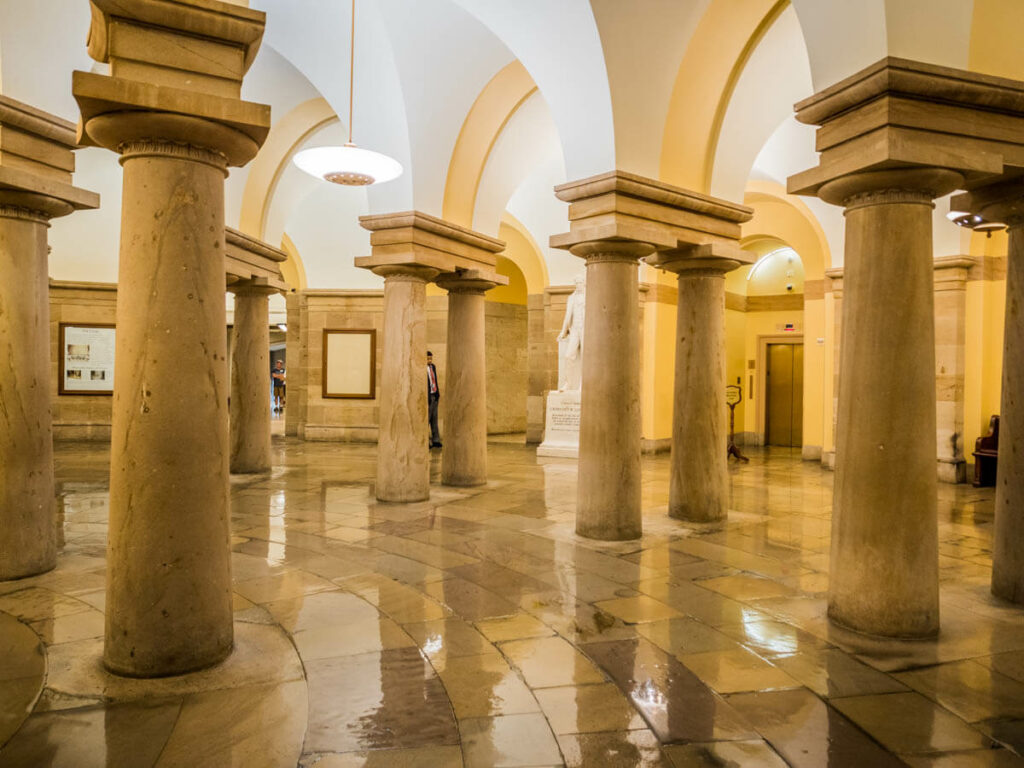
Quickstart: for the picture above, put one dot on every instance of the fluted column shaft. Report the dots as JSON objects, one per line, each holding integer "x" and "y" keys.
{"x": 699, "y": 479}
{"x": 403, "y": 465}
{"x": 884, "y": 558}
{"x": 608, "y": 495}
{"x": 464, "y": 461}
{"x": 250, "y": 380}
{"x": 1008, "y": 538}
{"x": 168, "y": 560}
{"x": 28, "y": 540}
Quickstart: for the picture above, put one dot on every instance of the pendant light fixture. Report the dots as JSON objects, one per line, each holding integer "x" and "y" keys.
{"x": 349, "y": 165}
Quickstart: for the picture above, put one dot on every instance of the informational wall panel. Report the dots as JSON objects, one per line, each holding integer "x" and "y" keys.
{"x": 349, "y": 363}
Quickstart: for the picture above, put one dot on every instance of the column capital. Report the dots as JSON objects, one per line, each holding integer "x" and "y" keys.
{"x": 248, "y": 260}
{"x": 901, "y": 114}
{"x": 904, "y": 186}
{"x": 1000, "y": 201}
{"x": 36, "y": 164}
{"x": 620, "y": 207}
{"x": 470, "y": 281}
{"x": 257, "y": 286}
{"x": 411, "y": 273}
{"x": 416, "y": 239}
{"x": 708, "y": 258}
{"x": 176, "y": 73}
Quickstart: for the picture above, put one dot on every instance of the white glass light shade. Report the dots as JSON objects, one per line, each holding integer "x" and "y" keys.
{"x": 348, "y": 165}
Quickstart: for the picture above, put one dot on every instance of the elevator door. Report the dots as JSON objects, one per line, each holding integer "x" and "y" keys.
{"x": 784, "y": 406}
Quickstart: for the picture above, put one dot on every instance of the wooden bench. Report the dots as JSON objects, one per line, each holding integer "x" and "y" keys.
{"x": 986, "y": 455}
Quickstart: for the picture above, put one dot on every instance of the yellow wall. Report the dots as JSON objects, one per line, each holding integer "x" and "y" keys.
{"x": 658, "y": 356}
{"x": 983, "y": 353}
{"x": 515, "y": 291}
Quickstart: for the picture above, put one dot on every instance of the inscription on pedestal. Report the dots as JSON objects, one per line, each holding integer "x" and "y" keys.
{"x": 561, "y": 425}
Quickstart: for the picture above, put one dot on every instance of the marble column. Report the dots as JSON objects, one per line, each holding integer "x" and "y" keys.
{"x": 169, "y": 605}
{"x": 884, "y": 557}
{"x": 699, "y": 479}
{"x": 1008, "y": 538}
{"x": 403, "y": 460}
{"x": 464, "y": 460}
{"x": 608, "y": 490}
{"x": 1004, "y": 202}
{"x": 36, "y": 162}
{"x": 250, "y": 378}
{"x": 28, "y": 535}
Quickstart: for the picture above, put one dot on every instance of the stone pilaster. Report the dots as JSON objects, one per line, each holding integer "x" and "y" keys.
{"x": 616, "y": 219}
{"x": 464, "y": 461}
{"x": 409, "y": 250}
{"x": 892, "y": 138}
{"x": 1005, "y": 202}
{"x": 699, "y": 480}
{"x": 835, "y": 278}
{"x": 177, "y": 130}
{"x": 950, "y": 341}
{"x": 36, "y": 163}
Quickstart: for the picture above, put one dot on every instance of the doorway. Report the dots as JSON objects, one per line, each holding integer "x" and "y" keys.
{"x": 784, "y": 394}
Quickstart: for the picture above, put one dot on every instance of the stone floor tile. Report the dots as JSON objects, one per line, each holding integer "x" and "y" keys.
{"x": 98, "y": 737}
{"x": 770, "y": 637}
{"x": 509, "y": 740}
{"x": 387, "y": 700}
{"x": 969, "y": 690}
{"x": 980, "y": 758}
{"x": 833, "y": 674}
{"x": 443, "y": 638}
{"x": 350, "y": 638}
{"x": 745, "y": 754}
{"x": 550, "y": 661}
{"x": 74, "y": 626}
{"x": 588, "y": 709}
{"x": 282, "y": 586}
{"x": 807, "y": 733}
{"x": 485, "y": 685}
{"x": 624, "y": 749}
{"x": 744, "y": 588}
{"x": 420, "y": 757}
{"x": 637, "y": 610}
{"x": 515, "y": 627}
{"x": 677, "y": 636}
{"x": 675, "y": 703}
{"x": 909, "y": 723}
{"x": 321, "y": 609}
{"x": 733, "y": 671}
{"x": 36, "y": 604}
{"x": 469, "y": 601}
{"x": 239, "y": 727}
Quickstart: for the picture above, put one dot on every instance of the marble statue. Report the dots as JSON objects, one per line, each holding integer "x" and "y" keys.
{"x": 570, "y": 338}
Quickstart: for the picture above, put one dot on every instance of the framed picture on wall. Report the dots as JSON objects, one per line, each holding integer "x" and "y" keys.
{"x": 85, "y": 359}
{"x": 349, "y": 363}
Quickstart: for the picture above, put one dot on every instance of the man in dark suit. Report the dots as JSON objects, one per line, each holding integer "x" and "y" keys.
{"x": 433, "y": 395}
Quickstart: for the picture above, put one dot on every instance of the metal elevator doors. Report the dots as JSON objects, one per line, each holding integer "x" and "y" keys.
{"x": 784, "y": 389}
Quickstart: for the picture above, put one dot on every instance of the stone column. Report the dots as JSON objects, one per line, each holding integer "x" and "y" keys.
{"x": 891, "y": 139}
{"x": 28, "y": 200}
{"x": 615, "y": 219}
{"x": 884, "y": 558}
{"x": 699, "y": 480}
{"x": 464, "y": 460}
{"x": 403, "y": 460}
{"x": 168, "y": 608}
{"x": 409, "y": 250}
{"x": 608, "y": 490}
{"x": 250, "y": 378}
{"x": 1005, "y": 202}
{"x": 950, "y": 342}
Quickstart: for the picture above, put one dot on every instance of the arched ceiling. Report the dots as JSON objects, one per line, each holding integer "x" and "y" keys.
{"x": 694, "y": 92}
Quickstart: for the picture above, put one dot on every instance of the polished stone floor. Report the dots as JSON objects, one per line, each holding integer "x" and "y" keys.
{"x": 477, "y": 630}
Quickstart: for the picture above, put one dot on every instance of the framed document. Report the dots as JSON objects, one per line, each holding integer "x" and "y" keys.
{"x": 86, "y": 359}
{"x": 349, "y": 363}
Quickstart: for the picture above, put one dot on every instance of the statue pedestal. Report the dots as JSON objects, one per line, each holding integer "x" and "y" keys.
{"x": 561, "y": 425}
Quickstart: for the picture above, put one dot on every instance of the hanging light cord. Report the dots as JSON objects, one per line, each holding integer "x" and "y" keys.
{"x": 351, "y": 69}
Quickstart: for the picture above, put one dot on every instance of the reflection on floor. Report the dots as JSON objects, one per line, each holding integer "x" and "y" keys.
{"x": 475, "y": 629}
